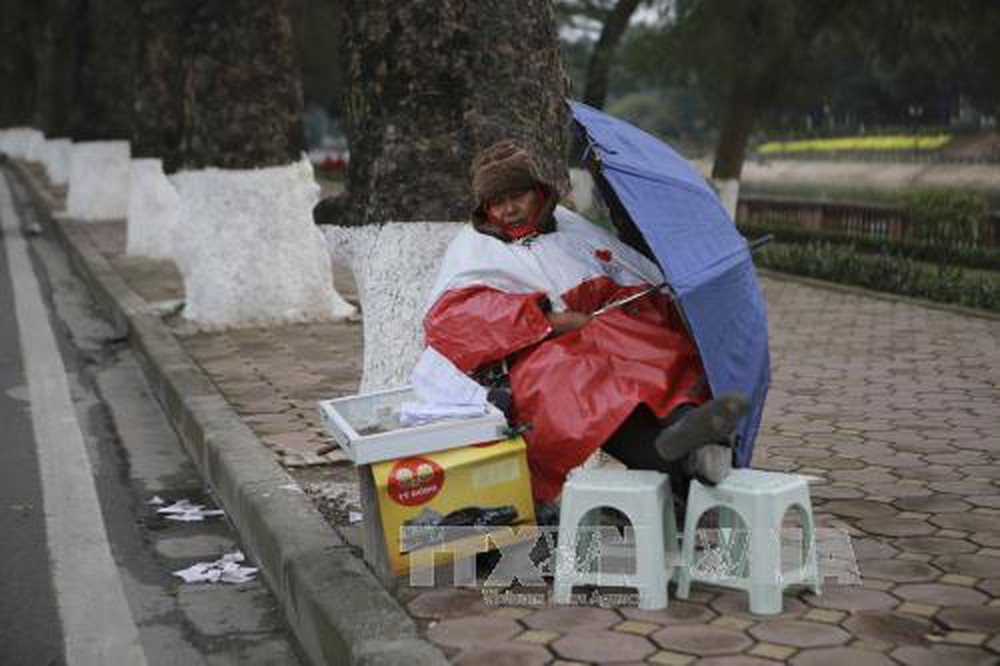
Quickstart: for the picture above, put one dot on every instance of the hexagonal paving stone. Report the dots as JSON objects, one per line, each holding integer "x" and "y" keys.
{"x": 603, "y": 647}
{"x": 964, "y": 488}
{"x": 990, "y": 501}
{"x": 969, "y": 522}
{"x": 990, "y": 587}
{"x": 448, "y": 603}
{"x": 933, "y": 474}
{"x": 503, "y": 654}
{"x": 859, "y": 509}
{"x": 678, "y": 612}
{"x": 835, "y": 492}
{"x": 891, "y": 627}
{"x": 871, "y": 548}
{"x": 468, "y": 632}
{"x": 953, "y": 655}
{"x": 977, "y": 566}
{"x": 572, "y": 619}
{"x": 900, "y": 571}
{"x": 898, "y": 489}
{"x": 895, "y": 527}
{"x": 935, "y": 545}
{"x": 865, "y": 475}
{"x": 972, "y": 618}
{"x": 737, "y": 603}
{"x": 853, "y": 599}
{"x": 940, "y": 595}
{"x": 735, "y": 660}
{"x": 799, "y": 633}
{"x": 932, "y": 504}
{"x": 702, "y": 640}
{"x": 840, "y": 656}
{"x": 988, "y": 539}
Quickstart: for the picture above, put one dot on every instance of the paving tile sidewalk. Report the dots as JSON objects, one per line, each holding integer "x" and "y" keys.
{"x": 894, "y": 406}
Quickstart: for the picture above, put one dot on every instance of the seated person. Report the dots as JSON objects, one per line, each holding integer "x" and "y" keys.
{"x": 514, "y": 302}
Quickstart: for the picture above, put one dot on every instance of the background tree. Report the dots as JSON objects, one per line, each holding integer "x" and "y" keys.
{"x": 319, "y": 26}
{"x": 612, "y": 17}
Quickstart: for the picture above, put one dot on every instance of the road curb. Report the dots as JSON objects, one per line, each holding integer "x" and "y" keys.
{"x": 336, "y": 607}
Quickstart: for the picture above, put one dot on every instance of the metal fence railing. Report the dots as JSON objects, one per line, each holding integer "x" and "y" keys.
{"x": 859, "y": 220}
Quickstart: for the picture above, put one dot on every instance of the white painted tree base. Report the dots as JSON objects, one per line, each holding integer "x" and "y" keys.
{"x": 98, "y": 180}
{"x": 34, "y": 146}
{"x": 248, "y": 251}
{"x": 395, "y": 265}
{"x": 729, "y": 194}
{"x": 57, "y": 155}
{"x": 153, "y": 207}
{"x": 15, "y": 141}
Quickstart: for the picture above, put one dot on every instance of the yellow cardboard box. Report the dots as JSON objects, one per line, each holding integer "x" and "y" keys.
{"x": 449, "y": 488}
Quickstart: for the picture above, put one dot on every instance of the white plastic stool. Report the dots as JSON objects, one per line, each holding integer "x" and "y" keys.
{"x": 644, "y": 497}
{"x": 751, "y": 557}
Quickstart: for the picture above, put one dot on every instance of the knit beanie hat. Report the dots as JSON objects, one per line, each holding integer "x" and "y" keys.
{"x": 500, "y": 168}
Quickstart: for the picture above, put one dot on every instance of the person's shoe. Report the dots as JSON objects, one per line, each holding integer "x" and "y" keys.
{"x": 707, "y": 424}
{"x": 710, "y": 464}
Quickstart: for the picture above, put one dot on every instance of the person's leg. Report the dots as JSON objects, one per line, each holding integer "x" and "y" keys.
{"x": 710, "y": 423}
{"x": 633, "y": 446}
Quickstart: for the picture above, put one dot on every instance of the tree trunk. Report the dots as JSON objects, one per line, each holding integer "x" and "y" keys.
{"x": 737, "y": 124}
{"x": 432, "y": 83}
{"x": 595, "y": 91}
{"x": 55, "y": 52}
{"x": 242, "y": 100}
{"x": 429, "y": 85}
{"x": 18, "y": 76}
{"x": 105, "y": 61}
{"x": 157, "y": 104}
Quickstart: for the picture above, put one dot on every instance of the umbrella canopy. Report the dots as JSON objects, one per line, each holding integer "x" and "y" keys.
{"x": 703, "y": 257}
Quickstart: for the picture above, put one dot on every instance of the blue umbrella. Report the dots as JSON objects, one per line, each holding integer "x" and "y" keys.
{"x": 703, "y": 257}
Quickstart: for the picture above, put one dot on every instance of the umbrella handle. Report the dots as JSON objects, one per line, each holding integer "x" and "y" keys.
{"x": 628, "y": 299}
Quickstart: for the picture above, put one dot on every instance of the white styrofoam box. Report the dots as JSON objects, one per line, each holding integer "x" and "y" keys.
{"x": 153, "y": 207}
{"x": 98, "y": 180}
{"x": 57, "y": 157}
{"x": 248, "y": 250}
{"x": 346, "y": 419}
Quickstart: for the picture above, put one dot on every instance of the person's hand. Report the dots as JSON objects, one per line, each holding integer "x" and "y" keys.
{"x": 564, "y": 322}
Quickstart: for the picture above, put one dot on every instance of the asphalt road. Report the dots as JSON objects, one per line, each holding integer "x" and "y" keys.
{"x": 86, "y": 562}
{"x": 29, "y": 620}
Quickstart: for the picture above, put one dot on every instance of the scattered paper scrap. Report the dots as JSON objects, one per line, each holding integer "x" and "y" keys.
{"x": 187, "y": 512}
{"x": 226, "y": 569}
{"x": 354, "y": 517}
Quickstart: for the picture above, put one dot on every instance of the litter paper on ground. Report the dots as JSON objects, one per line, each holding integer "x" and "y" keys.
{"x": 186, "y": 512}
{"x": 226, "y": 569}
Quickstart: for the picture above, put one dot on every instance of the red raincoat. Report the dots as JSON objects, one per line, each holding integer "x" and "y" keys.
{"x": 574, "y": 389}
